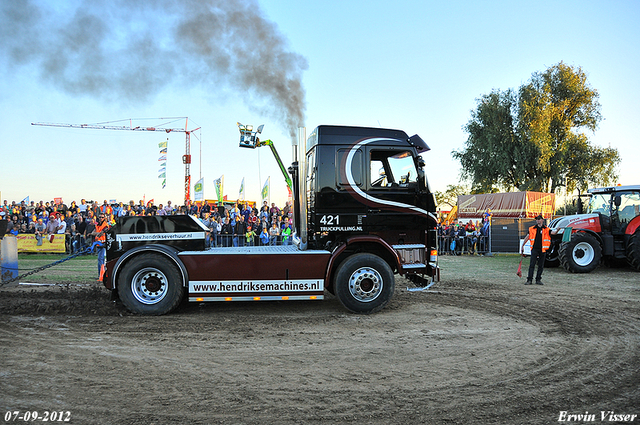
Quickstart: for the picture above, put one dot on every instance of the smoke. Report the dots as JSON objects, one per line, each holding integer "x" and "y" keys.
{"x": 128, "y": 51}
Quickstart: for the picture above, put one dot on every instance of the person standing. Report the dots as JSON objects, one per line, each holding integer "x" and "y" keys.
{"x": 41, "y": 229}
{"x": 226, "y": 232}
{"x": 81, "y": 227}
{"x": 540, "y": 235}
{"x": 286, "y": 234}
{"x": 250, "y": 236}
{"x": 100, "y": 237}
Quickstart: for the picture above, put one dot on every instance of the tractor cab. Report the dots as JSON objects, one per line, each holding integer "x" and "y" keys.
{"x": 616, "y": 207}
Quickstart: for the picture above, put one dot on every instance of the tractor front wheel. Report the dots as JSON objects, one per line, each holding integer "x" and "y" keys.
{"x": 552, "y": 259}
{"x": 582, "y": 254}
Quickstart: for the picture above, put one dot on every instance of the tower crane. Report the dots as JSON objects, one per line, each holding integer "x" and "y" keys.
{"x": 186, "y": 158}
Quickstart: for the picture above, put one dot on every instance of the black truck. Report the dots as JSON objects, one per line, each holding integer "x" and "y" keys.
{"x": 363, "y": 211}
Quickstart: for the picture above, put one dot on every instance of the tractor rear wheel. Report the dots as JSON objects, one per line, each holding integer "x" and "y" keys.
{"x": 582, "y": 254}
{"x": 633, "y": 250}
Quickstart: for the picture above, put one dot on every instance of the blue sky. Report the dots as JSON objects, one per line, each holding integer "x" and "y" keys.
{"x": 418, "y": 66}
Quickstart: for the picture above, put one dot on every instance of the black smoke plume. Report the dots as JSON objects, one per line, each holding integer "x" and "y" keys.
{"x": 128, "y": 51}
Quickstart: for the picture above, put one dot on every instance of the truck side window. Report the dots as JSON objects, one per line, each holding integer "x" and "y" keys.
{"x": 356, "y": 168}
{"x": 392, "y": 169}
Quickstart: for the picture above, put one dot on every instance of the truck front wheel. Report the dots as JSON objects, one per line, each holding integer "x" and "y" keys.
{"x": 150, "y": 284}
{"x": 581, "y": 254}
{"x": 364, "y": 283}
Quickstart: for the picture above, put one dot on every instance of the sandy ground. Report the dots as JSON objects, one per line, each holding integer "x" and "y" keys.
{"x": 473, "y": 350}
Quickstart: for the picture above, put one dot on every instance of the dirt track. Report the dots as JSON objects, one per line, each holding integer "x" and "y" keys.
{"x": 487, "y": 350}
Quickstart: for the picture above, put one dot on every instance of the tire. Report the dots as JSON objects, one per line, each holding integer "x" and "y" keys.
{"x": 582, "y": 254}
{"x": 150, "y": 284}
{"x": 633, "y": 250}
{"x": 552, "y": 259}
{"x": 364, "y": 283}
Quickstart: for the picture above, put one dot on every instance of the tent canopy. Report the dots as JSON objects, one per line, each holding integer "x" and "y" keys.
{"x": 507, "y": 205}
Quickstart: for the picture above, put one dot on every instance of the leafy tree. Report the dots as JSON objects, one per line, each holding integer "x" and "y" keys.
{"x": 495, "y": 156}
{"x": 450, "y": 196}
{"x": 535, "y": 140}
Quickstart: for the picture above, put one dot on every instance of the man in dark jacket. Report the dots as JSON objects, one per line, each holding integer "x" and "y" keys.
{"x": 226, "y": 232}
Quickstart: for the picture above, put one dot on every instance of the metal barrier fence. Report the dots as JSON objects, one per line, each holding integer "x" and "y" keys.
{"x": 470, "y": 244}
{"x": 504, "y": 236}
{"x": 222, "y": 241}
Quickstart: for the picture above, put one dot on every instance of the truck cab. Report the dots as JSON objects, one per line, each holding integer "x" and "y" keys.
{"x": 363, "y": 184}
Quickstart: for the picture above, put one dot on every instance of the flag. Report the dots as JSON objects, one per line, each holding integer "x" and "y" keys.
{"x": 265, "y": 189}
{"x": 162, "y": 144}
{"x": 150, "y": 202}
{"x": 519, "y": 272}
{"x": 164, "y": 183}
{"x": 164, "y": 164}
{"x": 163, "y": 150}
{"x": 198, "y": 193}
{"x": 162, "y": 176}
{"x": 162, "y": 158}
{"x": 241, "y": 192}
{"x": 162, "y": 170}
{"x": 25, "y": 200}
{"x": 219, "y": 185}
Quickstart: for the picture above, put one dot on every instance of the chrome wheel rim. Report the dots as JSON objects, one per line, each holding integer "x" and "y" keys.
{"x": 365, "y": 284}
{"x": 149, "y": 286}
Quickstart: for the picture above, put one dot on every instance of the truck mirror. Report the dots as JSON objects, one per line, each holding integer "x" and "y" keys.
{"x": 617, "y": 200}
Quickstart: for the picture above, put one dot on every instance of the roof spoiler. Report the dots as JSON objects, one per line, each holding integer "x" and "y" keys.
{"x": 417, "y": 142}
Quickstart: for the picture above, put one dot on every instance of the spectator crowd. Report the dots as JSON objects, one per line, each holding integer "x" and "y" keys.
{"x": 459, "y": 238}
{"x": 239, "y": 224}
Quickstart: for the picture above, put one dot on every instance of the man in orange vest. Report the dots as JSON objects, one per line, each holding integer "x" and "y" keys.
{"x": 540, "y": 235}
{"x": 99, "y": 236}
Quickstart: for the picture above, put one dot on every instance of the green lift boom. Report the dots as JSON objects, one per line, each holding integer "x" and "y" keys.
{"x": 250, "y": 139}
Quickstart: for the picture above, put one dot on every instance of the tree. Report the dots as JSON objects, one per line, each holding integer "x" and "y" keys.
{"x": 495, "y": 156}
{"x": 450, "y": 196}
{"x": 535, "y": 139}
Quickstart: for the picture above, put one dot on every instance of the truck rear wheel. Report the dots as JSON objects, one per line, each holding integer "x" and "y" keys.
{"x": 364, "y": 283}
{"x": 581, "y": 254}
{"x": 633, "y": 250}
{"x": 150, "y": 284}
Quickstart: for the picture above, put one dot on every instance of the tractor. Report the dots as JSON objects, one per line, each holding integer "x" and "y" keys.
{"x": 608, "y": 231}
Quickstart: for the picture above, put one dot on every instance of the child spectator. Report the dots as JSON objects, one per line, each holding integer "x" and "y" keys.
{"x": 250, "y": 236}
{"x": 264, "y": 236}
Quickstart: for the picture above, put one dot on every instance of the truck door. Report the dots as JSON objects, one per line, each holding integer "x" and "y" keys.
{"x": 394, "y": 188}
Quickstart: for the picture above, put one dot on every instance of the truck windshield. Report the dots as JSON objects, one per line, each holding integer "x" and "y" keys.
{"x": 392, "y": 169}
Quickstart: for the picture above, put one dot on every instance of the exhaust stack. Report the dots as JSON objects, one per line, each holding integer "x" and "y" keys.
{"x": 301, "y": 237}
